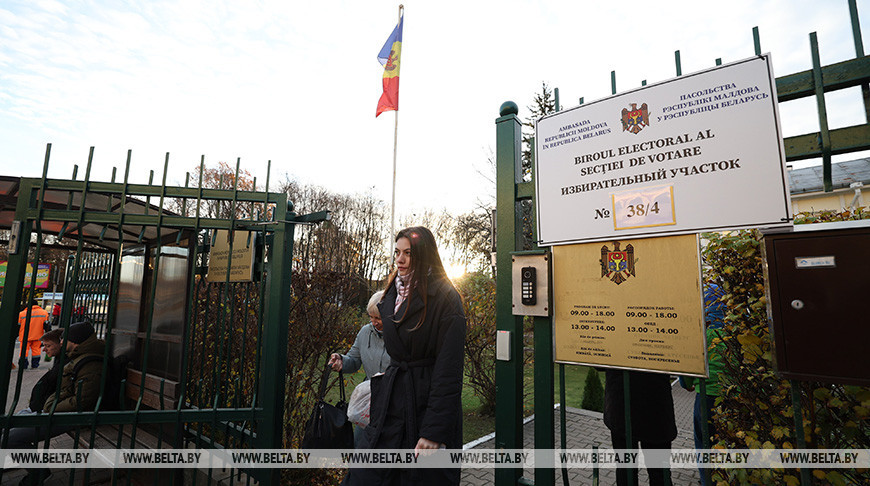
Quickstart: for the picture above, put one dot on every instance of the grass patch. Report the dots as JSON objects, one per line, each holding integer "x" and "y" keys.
{"x": 351, "y": 380}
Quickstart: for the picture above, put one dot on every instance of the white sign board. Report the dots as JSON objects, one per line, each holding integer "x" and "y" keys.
{"x": 702, "y": 152}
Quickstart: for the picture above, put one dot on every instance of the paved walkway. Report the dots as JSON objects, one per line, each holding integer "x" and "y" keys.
{"x": 30, "y": 377}
{"x": 586, "y": 429}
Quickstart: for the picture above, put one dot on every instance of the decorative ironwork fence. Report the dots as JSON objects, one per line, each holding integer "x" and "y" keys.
{"x": 195, "y": 346}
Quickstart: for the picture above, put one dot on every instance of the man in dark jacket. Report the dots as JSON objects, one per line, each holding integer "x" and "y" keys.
{"x": 652, "y": 418}
{"x": 43, "y": 388}
{"x": 81, "y": 342}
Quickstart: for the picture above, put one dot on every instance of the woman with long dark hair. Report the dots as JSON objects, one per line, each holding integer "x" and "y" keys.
{"x": 417, "y": 403}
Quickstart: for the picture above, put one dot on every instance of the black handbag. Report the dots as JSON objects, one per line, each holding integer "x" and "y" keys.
{"x": 328, "y": 427}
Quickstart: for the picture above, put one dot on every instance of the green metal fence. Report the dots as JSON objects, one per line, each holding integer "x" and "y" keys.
{"x": 89, "y": 296}
{"x": 512, "y": 191}
{"x": 196, "y": 346}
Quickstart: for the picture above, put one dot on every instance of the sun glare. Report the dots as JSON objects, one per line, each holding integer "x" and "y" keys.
{"x": 455, "y": 270}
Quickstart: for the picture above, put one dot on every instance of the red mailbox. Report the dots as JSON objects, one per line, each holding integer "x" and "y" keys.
{"x": 818, "y": 291}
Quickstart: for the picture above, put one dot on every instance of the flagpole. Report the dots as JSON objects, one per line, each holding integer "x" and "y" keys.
{"x": 393, "y": 205}
{"x": 395, "y": 149}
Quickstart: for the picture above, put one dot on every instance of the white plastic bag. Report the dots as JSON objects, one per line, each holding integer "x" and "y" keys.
{"x": 359, "y": 407}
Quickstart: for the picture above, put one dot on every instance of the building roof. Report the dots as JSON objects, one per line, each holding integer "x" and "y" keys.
{"x": 809, "y": 179}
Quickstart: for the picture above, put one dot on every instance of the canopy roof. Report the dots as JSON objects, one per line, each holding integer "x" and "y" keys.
{"x": 101, "y": 235}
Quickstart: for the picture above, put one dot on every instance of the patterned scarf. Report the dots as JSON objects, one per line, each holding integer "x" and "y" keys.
{"x": 403, "y": 286}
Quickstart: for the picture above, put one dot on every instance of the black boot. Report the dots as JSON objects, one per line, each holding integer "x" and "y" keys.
{"x": 35, "y": 362}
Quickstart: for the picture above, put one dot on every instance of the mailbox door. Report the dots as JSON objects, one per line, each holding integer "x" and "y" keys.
{"x": 825, "y": 307}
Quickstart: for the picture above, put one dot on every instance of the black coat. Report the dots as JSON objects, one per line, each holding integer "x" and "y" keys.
{"x": 652, "y": 406}
{"x": 420, "y": 393}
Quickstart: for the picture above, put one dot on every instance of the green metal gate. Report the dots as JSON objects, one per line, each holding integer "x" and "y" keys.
{"x": 88, "y": 298}
{"x": 199, "y": 377}
{"x": 512, "y": 191}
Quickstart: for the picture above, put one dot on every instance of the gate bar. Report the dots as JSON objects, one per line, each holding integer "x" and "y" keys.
{"x": 859, "y": 52}
{"x": 823, "y": 114}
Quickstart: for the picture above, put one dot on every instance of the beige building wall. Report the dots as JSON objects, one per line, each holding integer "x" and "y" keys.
{"x": 838, "y": 200}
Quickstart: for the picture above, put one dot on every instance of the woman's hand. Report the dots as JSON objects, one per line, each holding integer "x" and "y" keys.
{"x": 426, "y": 444}
{"x": 335, "y": 362}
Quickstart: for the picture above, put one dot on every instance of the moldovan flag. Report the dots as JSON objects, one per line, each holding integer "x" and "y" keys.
{"x": 389, "y": 57}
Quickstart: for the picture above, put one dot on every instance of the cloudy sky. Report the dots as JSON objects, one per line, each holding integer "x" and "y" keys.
{"x": 297, "y": 82}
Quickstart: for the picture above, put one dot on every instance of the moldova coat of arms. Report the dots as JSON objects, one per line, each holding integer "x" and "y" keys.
{"x": 635, "y": 119}
{"x": 618, "y": 264}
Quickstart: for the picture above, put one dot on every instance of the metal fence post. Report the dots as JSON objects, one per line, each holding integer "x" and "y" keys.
{"x": 806, "y": 478}
{"x": 15, "y": 271}
{"x": 544, "y": 370}
{"x": 270, "y": 433}
{"x": 508, "y": 374}
{"x": 629, "y": 438}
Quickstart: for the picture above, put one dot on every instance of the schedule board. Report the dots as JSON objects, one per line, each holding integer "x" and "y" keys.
{"x": 633, "y": 304}
{"x": 702, "y": 152}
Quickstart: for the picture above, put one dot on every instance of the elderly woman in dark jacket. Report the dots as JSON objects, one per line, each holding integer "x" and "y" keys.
{"x": 416, "y": 404}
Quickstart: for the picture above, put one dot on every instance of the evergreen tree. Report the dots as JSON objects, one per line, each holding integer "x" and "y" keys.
{"x": 593, "y": 392}
{"x": 544, "y": 103}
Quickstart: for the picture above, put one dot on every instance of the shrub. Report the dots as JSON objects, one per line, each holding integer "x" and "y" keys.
{"x": 319, "y": 326}
{"x": 322, "y": 322}
{"x": 593, "y": 392}
{"x": 478, "y": 298}
{"x": 225, "y": 348}
{"x": 754, "y": 409}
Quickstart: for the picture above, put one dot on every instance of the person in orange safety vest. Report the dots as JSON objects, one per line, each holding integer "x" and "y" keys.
{"x": 31, "y": 341}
